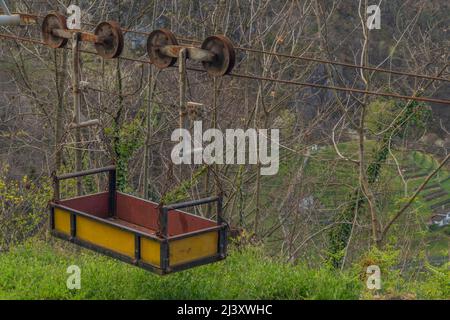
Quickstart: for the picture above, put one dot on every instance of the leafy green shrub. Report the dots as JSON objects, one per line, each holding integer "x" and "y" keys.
{"x": 446, "y": 230}
{"x": 23, "y": 208}
{"x": 126, "y": 140}
{"x": 436, "y": 283}
{"x": 428, "y": 283}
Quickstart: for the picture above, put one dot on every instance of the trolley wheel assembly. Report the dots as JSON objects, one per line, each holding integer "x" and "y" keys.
{"x": 225, "y": 56}
{"x": 157, "y": 39}
{"x": 52, "y": 21}
{"x": 111, "y": 45}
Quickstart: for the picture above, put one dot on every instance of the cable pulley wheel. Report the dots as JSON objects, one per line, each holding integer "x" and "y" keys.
{"x": 112, "y": 42}
{"x": 52, "y": 21}
{"x": 157, "y": 39}
{"x": 224, "y": 55}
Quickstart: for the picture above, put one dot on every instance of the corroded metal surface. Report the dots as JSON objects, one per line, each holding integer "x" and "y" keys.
{"x": 96, "y": 204}
{"x": 27, "y": 19}
{"x": 225, "y": 57}
{"x": 138, "y": 212}
{"x": 192, "y": 52}
{"x": 156, "y": 40}
{"x": 108, "y": 39}
{"x": 54, "y": 21}
{"x": 145, "y": 213}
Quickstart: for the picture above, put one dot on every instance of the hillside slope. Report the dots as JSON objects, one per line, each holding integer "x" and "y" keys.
{"x": 37, "y": 270}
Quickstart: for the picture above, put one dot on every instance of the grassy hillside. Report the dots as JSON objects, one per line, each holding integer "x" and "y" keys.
{"x": 38, "y": 271}
{"x": 330, "y": 181}
{"x": 415, "y": 167}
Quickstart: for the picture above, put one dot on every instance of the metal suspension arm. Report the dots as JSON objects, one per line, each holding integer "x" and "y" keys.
{"x": 8, "y": 19}
{"x": 112, "y": 183}
{"x": 164, "y": 211}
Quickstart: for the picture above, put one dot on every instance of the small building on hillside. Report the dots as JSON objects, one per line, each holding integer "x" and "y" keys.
{"x": 440, "y": 220}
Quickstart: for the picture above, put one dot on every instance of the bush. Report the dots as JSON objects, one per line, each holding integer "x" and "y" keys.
{"x": 23, "y": 208}
{"x": 426, "y": 282}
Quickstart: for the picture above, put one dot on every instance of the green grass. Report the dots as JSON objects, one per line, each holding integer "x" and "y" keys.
{"x": 38, "y": 271}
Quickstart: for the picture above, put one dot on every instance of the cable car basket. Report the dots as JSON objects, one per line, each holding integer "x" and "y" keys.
{"x": 162, "y": 239}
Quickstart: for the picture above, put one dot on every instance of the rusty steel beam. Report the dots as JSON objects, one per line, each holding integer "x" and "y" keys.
{"x": 192, "y": 203}
{"x": 85, "y": 173}
{"x": 84, "y": 36}
{"x": 77, "y": 105}
{"x": 10, "y": 20}
{"x": 63, "y": 33}
{"x": 89, "y": 37}
{"x": 182, "y": 82}
{"x": 27, "y": 19}
{"x": 15, "y": 19}
{"x": 192, "y": 53}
